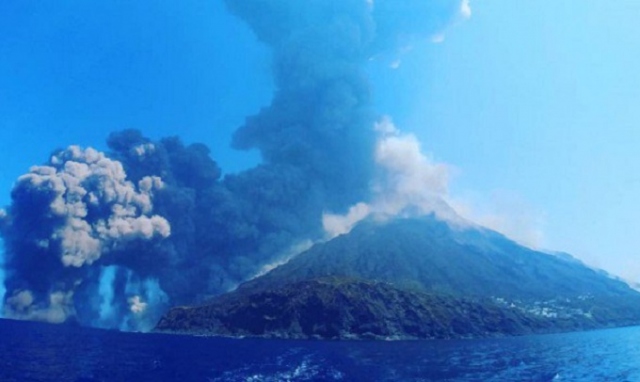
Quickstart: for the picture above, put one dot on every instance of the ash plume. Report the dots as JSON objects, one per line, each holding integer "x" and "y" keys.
{"x": 112, "y": 239}
{"x": 65, "y": 216}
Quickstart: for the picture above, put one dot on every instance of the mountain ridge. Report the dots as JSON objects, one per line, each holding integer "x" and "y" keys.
{"x": 427, "y": 261}
{"x": 429, "y": 254}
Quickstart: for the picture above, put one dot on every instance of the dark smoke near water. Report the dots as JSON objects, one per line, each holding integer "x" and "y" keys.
{"x": 112, "y": 239}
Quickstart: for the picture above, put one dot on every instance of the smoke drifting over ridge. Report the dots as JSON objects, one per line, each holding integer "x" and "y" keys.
{"x": 408, "y": 183}
{"x": 111, "y": 239}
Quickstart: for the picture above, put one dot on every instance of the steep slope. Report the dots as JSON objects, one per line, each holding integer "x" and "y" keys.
{"x": 429, "y": 255}
{"x": 416, "y": 278}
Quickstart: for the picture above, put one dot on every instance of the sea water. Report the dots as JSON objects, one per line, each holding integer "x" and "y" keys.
{"x": 42, "y": 352}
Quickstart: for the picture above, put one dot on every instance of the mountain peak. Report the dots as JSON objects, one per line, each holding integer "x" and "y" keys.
{"x": 426, "y": 256}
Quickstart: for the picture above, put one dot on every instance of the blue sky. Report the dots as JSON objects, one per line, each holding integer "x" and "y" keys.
{"x": 534, "y": 103}
{"x": 75, "y": 71}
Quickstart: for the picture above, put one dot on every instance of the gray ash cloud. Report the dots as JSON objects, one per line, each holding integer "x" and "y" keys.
{"x": 111, "y": 239}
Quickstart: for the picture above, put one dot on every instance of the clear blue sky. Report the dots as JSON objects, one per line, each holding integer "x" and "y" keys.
{"x": 71, "y": 72}
{"x": 535, "y": 103}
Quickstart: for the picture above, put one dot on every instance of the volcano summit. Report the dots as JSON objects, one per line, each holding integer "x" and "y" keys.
{"x": 415, "y": 278}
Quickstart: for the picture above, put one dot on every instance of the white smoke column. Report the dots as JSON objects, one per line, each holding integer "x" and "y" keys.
{"x": 409, "y": 178}
{"x": 106, "y": 292}
{"x": 409, "y": 184}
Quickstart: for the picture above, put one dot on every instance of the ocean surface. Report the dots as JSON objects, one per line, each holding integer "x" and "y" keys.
{"x": 42, "y": 352}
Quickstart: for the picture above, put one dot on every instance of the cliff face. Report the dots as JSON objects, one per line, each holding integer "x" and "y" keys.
{"x": 415, "y": 278}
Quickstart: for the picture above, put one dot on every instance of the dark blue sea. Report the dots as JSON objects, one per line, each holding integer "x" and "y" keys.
{"x": 42, "y": 352}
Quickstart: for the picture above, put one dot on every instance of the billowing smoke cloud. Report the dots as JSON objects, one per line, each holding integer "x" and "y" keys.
{"x": 66, "y": 216}
{"x": 408, "y": 183}
{"x": 111, "y": 239}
